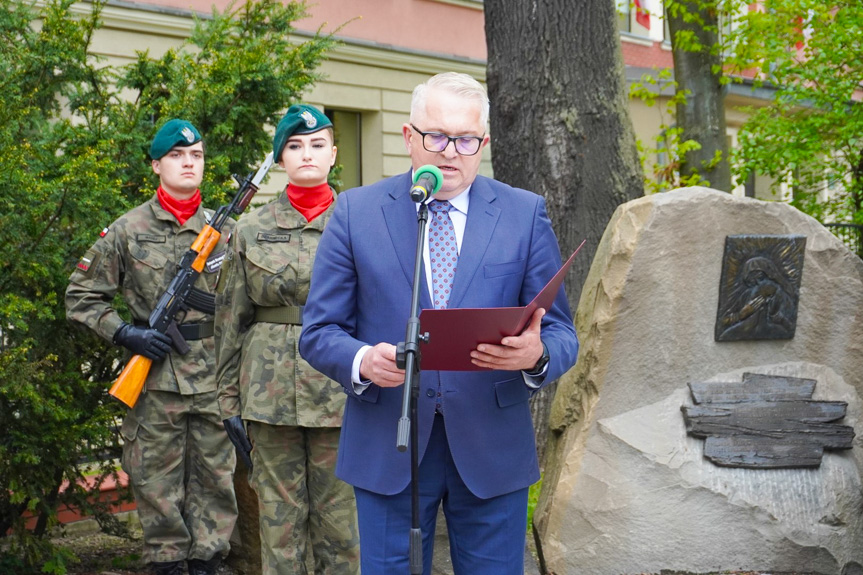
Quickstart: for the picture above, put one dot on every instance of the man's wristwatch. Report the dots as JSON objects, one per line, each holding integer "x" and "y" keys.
{"x": 540, "y": 365}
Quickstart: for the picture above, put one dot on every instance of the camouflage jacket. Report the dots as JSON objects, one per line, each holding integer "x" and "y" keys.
{"x": 260, "y": 372}
{"x": 137, "y": 256}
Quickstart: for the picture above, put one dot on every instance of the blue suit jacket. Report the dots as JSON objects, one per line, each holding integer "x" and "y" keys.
{"x": 360, "y": 295}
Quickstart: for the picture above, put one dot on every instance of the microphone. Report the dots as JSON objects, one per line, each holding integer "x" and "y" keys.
{"x": 427, "y": 181}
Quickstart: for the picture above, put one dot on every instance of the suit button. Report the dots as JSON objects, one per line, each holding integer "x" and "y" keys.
{"x": 430, "y": 392}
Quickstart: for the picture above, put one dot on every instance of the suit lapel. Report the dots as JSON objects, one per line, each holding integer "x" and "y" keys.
{"x": 400, "y": 215}
{"x": 482, "y": 217}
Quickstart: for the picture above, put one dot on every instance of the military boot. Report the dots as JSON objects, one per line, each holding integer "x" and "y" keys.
{"x": 204, "y": 567}
{"x": 167, "y": 568}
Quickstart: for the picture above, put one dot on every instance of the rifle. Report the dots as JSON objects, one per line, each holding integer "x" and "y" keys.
{"x": 180, "y": 295}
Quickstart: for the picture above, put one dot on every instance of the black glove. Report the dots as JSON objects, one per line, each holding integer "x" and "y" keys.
{"x": 143, "y": 341}
{"x": 237, "y": 435}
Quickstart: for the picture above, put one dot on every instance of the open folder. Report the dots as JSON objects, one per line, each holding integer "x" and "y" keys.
{"x": 454, "y": 333}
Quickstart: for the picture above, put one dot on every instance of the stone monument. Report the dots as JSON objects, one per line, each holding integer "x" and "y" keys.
{"x": 713, "y": 421}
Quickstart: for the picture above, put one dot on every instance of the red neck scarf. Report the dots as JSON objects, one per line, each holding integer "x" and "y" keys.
{"x": 311, "y": 202}
{"x": 182, "y": 209}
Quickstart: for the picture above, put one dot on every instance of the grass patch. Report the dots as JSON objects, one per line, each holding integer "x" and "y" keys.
{"x": 532, "y": 500}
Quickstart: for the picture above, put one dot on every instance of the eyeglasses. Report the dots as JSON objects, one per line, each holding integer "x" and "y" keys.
{"x": 437, "y": 142}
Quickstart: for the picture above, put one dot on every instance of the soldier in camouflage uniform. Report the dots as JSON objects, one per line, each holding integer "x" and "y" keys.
{"x": 175, "y": 449}
{"x": 292, "y": 413}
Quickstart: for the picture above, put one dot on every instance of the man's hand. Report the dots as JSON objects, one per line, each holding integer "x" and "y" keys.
{"x": 515, "y": 352}
{"x": 379, "y": 366}
{"x": 237, "y": 435}
{"x": 143, "y": 341}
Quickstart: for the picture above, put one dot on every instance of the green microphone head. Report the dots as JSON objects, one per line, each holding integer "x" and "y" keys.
{"x": 427, "y": 181}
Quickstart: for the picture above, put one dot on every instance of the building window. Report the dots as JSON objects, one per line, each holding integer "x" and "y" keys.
{"x": 642, "y": 18}
{"x": 348, "y": 135}
{"x": 624, "y": 12}
{"x": 666, "y": 33}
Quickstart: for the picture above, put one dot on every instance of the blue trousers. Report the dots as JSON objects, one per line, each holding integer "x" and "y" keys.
{"x": 487, "y": 536}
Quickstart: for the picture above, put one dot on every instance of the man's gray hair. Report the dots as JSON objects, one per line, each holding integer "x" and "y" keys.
{"x": 456, "y": 83}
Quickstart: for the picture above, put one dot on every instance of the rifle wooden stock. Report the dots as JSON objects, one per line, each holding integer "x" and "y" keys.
{"x": 131, "y": 380}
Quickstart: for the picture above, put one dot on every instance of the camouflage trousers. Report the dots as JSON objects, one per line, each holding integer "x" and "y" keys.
{"x": 180, "y": 463}
{"x": 302, "y": 504}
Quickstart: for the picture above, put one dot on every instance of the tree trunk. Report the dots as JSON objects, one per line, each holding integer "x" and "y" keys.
{"x": 560, "y": 123}
{"x": 698, "y": 71}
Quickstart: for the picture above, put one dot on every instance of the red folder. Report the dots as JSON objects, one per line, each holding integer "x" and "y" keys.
{"x": 454, "y": 333}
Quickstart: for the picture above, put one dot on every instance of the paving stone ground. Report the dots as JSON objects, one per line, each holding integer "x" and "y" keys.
{"x": 103, "y": 554}
{"x": 107, "y": 555}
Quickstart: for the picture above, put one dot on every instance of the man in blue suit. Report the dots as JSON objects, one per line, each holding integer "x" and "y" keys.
{"x": 476, "y": 441}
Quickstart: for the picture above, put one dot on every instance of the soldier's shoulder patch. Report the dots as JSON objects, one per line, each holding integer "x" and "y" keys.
{"x": 84, "y": 264}
{"x": 88, "y": 261}
{"x": 273, "y": 237}
{"x": 104, "y": 232}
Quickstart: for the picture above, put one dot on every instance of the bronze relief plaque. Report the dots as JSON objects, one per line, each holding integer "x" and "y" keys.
{"x": 759, "y": 289}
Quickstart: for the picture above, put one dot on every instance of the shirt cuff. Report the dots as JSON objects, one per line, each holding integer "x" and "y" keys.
{"x": 358, "y": 384}
{"x": 534, "y": 381}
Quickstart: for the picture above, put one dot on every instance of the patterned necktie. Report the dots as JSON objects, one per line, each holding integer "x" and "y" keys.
{"x": 443, "y": 252}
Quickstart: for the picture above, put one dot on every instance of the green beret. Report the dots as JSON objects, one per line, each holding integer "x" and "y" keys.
{"x": 299, "y": 119}
{"x": 173, "y": 133}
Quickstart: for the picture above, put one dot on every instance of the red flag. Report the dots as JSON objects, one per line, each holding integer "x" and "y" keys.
{"x": 642, "y": 16}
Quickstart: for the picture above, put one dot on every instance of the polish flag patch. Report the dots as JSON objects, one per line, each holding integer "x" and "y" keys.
{"x": 84, "y": 263}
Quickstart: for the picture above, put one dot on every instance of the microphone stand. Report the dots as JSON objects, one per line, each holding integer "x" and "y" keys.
{"x": 408, "y": 358}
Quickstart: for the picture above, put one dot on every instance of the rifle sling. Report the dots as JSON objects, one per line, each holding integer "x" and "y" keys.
{"x": 287, "y": 314}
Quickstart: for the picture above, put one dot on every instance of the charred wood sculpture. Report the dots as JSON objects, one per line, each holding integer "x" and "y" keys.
{"x": 765, "y": 422}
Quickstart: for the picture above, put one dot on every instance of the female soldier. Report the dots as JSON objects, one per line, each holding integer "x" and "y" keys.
{"x": 292, "y": 413}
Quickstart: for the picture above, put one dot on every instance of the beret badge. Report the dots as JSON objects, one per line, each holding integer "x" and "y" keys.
{"x": 311, "y": 121}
